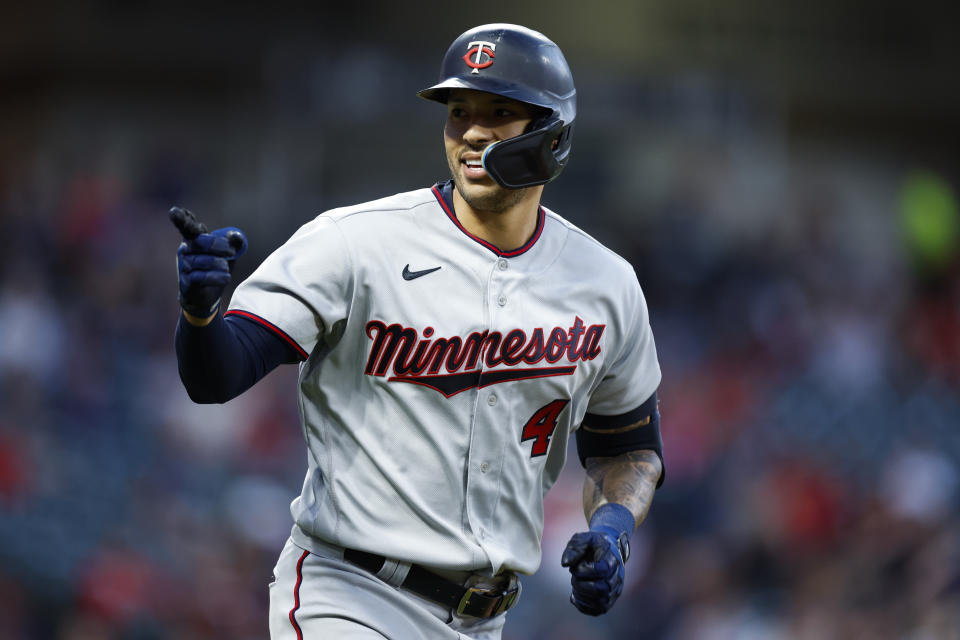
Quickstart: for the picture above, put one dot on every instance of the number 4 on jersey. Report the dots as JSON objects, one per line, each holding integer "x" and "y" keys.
{"x": 540, "y": 427}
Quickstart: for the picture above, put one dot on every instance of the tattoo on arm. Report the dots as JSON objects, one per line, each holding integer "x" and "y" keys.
{"x": 629, "y": 479}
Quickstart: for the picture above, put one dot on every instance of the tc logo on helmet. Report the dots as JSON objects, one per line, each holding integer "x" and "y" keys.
{"x": 475, "y": 55}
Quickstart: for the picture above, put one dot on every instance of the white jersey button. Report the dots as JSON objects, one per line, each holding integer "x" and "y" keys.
{"x": 502, "y": 300}
{"x": 502, "y": 264}
{"x": 484, "y": 467}
{"x": 491, "y": 400}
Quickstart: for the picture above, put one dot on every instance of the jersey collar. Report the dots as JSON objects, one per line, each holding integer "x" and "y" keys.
{"x": 443, "y": 191}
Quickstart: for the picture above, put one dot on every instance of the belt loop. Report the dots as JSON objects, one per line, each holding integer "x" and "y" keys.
{"x": 393, "y": 572}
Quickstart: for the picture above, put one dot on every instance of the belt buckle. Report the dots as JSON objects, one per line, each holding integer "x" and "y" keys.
{"x": 510, "y": 597}
{"x": 500, "y": 601}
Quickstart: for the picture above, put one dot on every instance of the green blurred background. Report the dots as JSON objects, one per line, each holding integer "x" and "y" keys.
{"x": 783, "y": 176}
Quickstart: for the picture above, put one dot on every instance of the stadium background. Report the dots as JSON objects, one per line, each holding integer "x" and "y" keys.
{"x": 783, "y": 177}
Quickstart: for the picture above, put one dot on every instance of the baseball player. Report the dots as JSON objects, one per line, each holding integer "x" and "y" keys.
{"x": 449, "y": 340}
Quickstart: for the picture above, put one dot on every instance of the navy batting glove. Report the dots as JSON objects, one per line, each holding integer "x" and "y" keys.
{"x": 204, "y": 262}
{"x": 596, "y": 559}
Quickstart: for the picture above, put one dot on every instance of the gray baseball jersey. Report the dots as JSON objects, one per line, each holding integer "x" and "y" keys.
{"x": 443, "y": 377}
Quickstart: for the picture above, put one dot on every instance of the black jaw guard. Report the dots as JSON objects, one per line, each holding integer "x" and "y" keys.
{"x": 530, "y": 159}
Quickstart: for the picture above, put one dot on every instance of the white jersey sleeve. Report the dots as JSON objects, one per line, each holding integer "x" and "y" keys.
{"x": 633, "y": 373}
{"x": 303, "y": 288}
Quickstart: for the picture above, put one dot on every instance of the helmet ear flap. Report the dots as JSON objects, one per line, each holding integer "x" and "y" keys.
{"x": 541, "y": 119}
{"x": 562, "y": 143}
{"x": 530, "y": 159}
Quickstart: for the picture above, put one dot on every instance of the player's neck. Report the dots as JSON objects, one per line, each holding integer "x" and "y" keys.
{"x": 508, "y": 229}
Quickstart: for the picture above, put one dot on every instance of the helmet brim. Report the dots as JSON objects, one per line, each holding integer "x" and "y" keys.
{"x": 441, "y": 92}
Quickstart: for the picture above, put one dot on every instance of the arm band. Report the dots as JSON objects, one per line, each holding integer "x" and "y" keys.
{"x": 223, "y": 359}
{"x": 608, "y": 436}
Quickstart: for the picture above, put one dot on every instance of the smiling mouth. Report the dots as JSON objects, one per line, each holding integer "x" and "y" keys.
{"x": 473, "y": 169}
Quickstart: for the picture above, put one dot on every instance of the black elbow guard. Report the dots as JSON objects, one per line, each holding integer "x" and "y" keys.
{"x": 608, "y": 436}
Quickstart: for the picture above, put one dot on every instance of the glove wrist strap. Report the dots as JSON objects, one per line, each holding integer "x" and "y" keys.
{"x": 200, "y": 311}
{"x": 617, "y": 522}
{"x": 613, "y": 516}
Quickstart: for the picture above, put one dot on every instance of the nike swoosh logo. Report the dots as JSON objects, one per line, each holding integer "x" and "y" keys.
{"x": 413, "y": 275}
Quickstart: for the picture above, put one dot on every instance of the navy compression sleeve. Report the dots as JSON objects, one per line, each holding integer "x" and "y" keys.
{"x": 223, "y": 359}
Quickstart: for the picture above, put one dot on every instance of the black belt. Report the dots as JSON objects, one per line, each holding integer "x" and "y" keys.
{"x": 470, "y": 601}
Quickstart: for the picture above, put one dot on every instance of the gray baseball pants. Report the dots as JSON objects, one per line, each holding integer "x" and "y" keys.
{"x": 315, "y": 597}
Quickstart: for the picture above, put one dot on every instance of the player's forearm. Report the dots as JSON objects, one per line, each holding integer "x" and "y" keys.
{"x": 209, "y": 358}
{"x": 223, "y": 358}
{"x": 629, "y": 479}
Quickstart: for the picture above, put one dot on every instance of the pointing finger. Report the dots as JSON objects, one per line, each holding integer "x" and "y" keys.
{"x": 186, "y": 223}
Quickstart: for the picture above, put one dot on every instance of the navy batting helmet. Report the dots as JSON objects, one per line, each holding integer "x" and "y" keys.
{"x": 524, "y": 65}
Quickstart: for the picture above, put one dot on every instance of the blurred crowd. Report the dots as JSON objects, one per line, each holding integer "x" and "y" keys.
{"x": 805, "y": 298}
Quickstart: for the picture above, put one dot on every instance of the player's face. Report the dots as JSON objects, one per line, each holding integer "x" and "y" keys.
{"x": 475, "y": 120}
